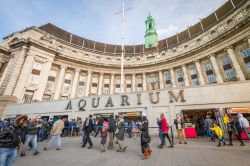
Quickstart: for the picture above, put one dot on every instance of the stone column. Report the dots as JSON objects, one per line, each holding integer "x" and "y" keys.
{"x": 144, "y": 81}
{"x": 133, "y": 82}
{"x": 161, "y": 80}
{"x": 38, "y": 95}
{"x": 89, "y": 80}
{"x": 201, "y": 78}
{"x": 24, "y": 76}
{"x": 75, "y": 83}
{"x": 216, "y": 68}
{"x": 1, "y": 64}
{"x": 59, "y": 83}
{"x": 236, "y": 64}
{"x": 172, "y": 78}
{"x": 12, "y": 72}
{"x": 186, "y": 80}
{"x": 112, "y": 83}
{"x": 100, "y": 84}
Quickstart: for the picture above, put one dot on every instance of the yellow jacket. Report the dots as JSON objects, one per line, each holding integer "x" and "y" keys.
{"x": 217, "y": 131}
{"x": 225, "y": 120}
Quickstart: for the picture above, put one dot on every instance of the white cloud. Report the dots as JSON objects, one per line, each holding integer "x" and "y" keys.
{"x": 168, "y": 31}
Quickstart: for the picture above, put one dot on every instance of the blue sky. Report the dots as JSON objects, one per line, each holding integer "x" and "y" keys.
{"x": 94, "y": 19}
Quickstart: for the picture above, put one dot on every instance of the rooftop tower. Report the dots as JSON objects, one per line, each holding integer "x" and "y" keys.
{"x": 151, "y": 37}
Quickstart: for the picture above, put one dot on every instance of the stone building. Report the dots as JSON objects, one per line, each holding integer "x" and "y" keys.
{"x": 49, "y": 71}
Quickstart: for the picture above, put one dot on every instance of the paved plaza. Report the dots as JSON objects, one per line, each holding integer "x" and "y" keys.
{"x": 198, "y": 152}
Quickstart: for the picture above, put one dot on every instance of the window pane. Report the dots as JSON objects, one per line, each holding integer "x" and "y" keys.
{"x": 27, "y": 96}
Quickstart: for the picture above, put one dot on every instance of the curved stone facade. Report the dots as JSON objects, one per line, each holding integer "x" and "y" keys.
{"x": 47, "y": 63}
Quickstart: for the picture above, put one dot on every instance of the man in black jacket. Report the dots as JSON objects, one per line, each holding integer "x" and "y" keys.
{"x": 9, "y": 141}
{"x": 31, "y": 136}
{"x": 88, "y": 129}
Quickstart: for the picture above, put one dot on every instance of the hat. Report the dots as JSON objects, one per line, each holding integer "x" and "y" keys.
{"x": 19, "y": 118}
{"x": 143, "y": 114}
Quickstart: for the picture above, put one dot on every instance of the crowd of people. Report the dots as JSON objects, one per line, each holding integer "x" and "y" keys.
{"x": 23, "y": 134}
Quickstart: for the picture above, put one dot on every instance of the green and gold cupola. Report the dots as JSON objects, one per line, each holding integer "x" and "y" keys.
{"x": 151, "y": 37}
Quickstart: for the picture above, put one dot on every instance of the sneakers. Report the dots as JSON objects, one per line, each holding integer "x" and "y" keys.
{"x": 36, "y": 153}
{"x": 90, "y": 147}
{"x": 171, "y": 146}
{"x": 22, "y": 155}
{"x": 58, "y": 148}
{"x": 45, "y": 148}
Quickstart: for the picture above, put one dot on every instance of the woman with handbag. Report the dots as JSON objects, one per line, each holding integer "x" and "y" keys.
{"x": 145, "y": 139}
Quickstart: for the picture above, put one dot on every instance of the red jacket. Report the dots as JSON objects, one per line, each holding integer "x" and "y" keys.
{"x": 164, "y": 125}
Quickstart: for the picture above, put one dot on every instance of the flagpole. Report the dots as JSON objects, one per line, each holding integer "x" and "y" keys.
{"x": 122, "y": 56}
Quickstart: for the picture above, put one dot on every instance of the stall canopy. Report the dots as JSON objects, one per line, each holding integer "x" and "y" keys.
{"x": 244, "y": 110}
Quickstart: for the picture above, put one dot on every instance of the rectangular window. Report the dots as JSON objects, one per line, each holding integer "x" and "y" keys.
{"x": 153, "y": 81}
{"x": 106, "y": 82}
{"x": 27, "y": 97}
{"x": 139, "y": 83}
{"x": 35, "y": 73}
{"x": 67, "y": 82}
{"x": 228, "y": 70}
{"x": 245, "y": 54}
{"x": 194, "y": 76}
{"x": 167, "y": 80}
{"x": 46, "y": 97}
{"x": 94, "y": 87}
{"x": 51, "y": 80}
{"x": 128, "y": 84}
{"x": 180, "y": 78}
{"x": 117, "y": 85}
{"x": 209, "y": 72}
{"x": 81, "y": 86}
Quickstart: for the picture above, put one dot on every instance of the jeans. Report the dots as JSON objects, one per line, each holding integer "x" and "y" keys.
{"x": 41, "y": 134}
{"x": 55, "y": 138}
{"x": 7, "y": 156}
{"x": 83, "y": 137}
{"x": 88, "y": 139}
{"x": 33, "y": 140}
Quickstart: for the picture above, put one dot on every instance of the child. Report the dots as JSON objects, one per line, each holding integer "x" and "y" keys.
{"x": 104, "y": 133}
{"x": 219, "y": 134}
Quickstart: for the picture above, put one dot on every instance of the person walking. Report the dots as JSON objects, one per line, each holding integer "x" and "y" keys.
{"x": 239, "y": 130}
{"x": 21, "y": 129}
{"x": 216, "y": 128}
{"x": 55, "y": 134}
{"x": 32, "y": 133}
{"x": 209, "y": 123}
{"x": 120, "y": 135}
{"x": 244, "y": 123}
{"x": 111, "y": 130}
{"x": 99, "y": 125}
{"x": 9, "y": 141}
{"x": 230, "y": 126}
{"x": 145, "y": 139}
{"x": 104, "y": 133}
{"x": 179, "y": 125}
{"x": 163, "y": 142}
{"x": 88, "y": 131}
{"x": 165, "y": 127}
